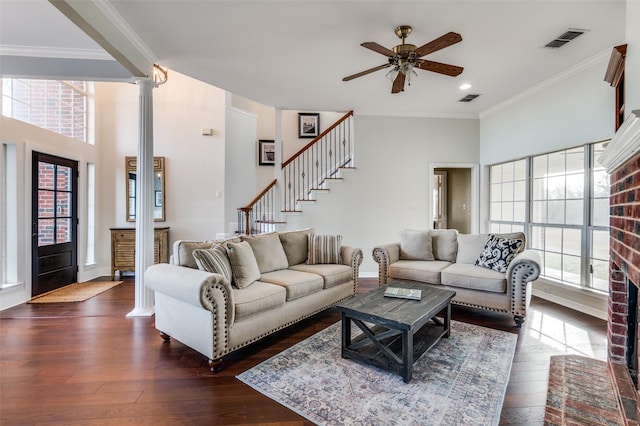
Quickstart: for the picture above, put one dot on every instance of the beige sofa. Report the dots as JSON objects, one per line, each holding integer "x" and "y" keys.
{"x": 450, "y": 260}
{"x": 260, "y": 284}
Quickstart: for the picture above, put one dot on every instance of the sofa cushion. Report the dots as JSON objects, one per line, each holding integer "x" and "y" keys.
{"x": 445, "y": 244}
{"x": 471, "y": 245}
{"x": 268, "y": 251}
{"x": 295, "y": 245}
{"x": 297, "y": 283}
{"x": 331, "y": 274}
{"x": 474, "y": 277}
{"x": 324, "y": 249}
{"x": 214, "y": 260}
{"x": 418, "y": 270}
{"x": 415, "y": 245}
{"x": 183, "y": 252}
{"x": 498, "y": 253}
{"x": 243, "y": 263}
{"x": 257, "y": 298}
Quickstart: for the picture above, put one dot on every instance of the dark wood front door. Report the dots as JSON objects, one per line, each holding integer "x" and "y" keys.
{"x": 54, "y": 223}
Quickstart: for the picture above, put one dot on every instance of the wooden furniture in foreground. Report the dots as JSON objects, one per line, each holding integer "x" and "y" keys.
{"x": 123, "y": 249}
{"x": 402, "y": 329}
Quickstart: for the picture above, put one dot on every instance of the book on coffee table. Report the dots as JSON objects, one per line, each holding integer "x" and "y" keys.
{"x": 403, "y": 293}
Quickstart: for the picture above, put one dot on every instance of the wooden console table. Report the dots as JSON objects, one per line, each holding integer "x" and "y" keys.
{"x": 123, "y": 249}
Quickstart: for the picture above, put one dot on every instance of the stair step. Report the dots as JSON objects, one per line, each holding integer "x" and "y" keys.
{"x": 333, "y": 178}
{"x": 271, "y": 222}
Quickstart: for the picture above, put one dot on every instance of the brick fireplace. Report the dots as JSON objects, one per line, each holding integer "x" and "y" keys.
{"x": 622, "y": 160}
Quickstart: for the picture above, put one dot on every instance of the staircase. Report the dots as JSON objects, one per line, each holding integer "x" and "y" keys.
{"x": 311, "y": 170}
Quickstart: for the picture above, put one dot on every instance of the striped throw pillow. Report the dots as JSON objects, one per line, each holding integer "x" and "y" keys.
{"x": 214, "y": 260}
{"x": 324, "y": 249}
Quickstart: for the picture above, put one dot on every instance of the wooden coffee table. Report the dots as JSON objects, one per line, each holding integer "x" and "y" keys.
{"x": 395, "y": 331}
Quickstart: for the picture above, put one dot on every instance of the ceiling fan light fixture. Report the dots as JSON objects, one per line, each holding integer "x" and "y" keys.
{"x": 393, "y": 73}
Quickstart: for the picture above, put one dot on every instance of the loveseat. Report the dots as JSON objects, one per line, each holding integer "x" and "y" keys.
{"x": 218, "y": 296}
{"x": 488, "y": 271}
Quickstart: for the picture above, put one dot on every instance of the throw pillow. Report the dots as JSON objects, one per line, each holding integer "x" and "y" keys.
{"x": 445, "y": 244}
{"x": 295, "y": 245}
{"x": 214, "y": 260}
{"x": 243, "y": 263}
{"x": 324, "y": 249}
{"x": 415, "y": 245}
{"x": 268, "y": 251}
{"x": 498, "y": 253}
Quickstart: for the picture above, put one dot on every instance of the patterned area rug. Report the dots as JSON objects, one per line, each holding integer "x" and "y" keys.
{"x": 461, "y": 380}
{"x": 76, "y": 292}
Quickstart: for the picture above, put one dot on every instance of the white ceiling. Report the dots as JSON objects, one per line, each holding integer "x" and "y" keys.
{"x": 294, "y": 54}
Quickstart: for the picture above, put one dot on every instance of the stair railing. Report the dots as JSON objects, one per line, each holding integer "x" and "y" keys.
{"x": 319, "y": 161}
{"x": 261, "y": 214}
{"x": 306, "y": 171}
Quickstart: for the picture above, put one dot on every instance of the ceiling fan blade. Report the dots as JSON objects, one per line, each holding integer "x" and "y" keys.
{"x": 365, "y": 72}
{"x": 440, "y": 43}
{"x": 372, "y": 45}
{"x": 438, "y": 67}
{"x": 398, "y": 83}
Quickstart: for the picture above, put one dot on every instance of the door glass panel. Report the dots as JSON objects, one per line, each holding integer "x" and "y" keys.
{"x": 45, "y": 232}
{"x": 45, "y": 175}
{"x": 45, "y": 204}
{"x": 63, "y": 231}
{"x": 63, "y": 204}
{"x": 63, "y": 178}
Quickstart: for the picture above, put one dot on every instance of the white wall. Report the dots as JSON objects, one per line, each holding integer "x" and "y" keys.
{"x": 574, "y": 111}
{"x": 240, "y": 167}
{"x": 389, "y": 190}
{"x": 632, "y": 63}
{"x": 194, "y": 164}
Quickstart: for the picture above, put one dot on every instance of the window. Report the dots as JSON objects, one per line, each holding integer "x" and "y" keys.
{"x": 508, "y": 196}
{"x": 561, "y": 200}
{"x": 9, "y": 227}
{"x": 91, "y": 213}
{"x": 58, "y": 106}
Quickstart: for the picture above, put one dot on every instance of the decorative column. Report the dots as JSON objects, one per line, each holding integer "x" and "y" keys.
{"x": 144, "y": 303}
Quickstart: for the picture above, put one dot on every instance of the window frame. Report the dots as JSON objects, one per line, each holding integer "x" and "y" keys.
{"x": 586, "y": 279}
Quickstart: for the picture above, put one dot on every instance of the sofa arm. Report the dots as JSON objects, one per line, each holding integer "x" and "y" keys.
{"x": 352, "y": 256}
{"x": 385, "y": 255}
{"x": 523, "y": 269}
{"x": 198, "y": 288}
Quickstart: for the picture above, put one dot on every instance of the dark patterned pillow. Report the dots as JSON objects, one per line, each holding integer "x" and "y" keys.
{"x": 498, "y": 253}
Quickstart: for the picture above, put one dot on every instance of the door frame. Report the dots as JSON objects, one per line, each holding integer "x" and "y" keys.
{"x": 475, "y": 191}
{"x": 36, "y": 157}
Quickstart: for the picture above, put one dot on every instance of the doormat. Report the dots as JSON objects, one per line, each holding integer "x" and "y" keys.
{"x": 76, "y": 292}
{"x": 460, "y": 381}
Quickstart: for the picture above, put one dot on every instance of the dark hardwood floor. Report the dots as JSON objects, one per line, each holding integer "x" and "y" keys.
{"x": 86, "y": 363}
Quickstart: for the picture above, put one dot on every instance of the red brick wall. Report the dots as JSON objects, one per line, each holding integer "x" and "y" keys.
{"x": 625, "y": 218}
{"x": 625, "y": 255}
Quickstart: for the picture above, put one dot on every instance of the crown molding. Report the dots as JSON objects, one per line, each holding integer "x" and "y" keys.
{"x": 624, "y": 144}
{"x": 569, "y": 72}
{"x": 54, "y": 52}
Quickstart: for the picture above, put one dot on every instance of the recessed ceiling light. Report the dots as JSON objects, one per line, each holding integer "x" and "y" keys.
{"x": 465, "y": 86}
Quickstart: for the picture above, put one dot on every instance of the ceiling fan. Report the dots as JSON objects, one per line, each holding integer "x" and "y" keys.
{"x": 404, "y": 58}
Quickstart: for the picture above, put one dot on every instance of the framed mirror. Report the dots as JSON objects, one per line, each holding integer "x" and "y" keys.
{"x": 158, "y": 188}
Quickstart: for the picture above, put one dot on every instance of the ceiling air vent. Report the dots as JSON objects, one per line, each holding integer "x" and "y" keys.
{"x": 565, "y": 38}
{"x": 468, "y": 98}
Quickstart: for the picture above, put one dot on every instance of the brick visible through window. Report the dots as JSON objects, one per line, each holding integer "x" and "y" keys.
{"x": 58, "y": 106}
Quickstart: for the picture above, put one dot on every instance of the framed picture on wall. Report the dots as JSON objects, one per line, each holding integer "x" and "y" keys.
{"x": 266, "y": 152}
{"x": 308, "y": 124}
